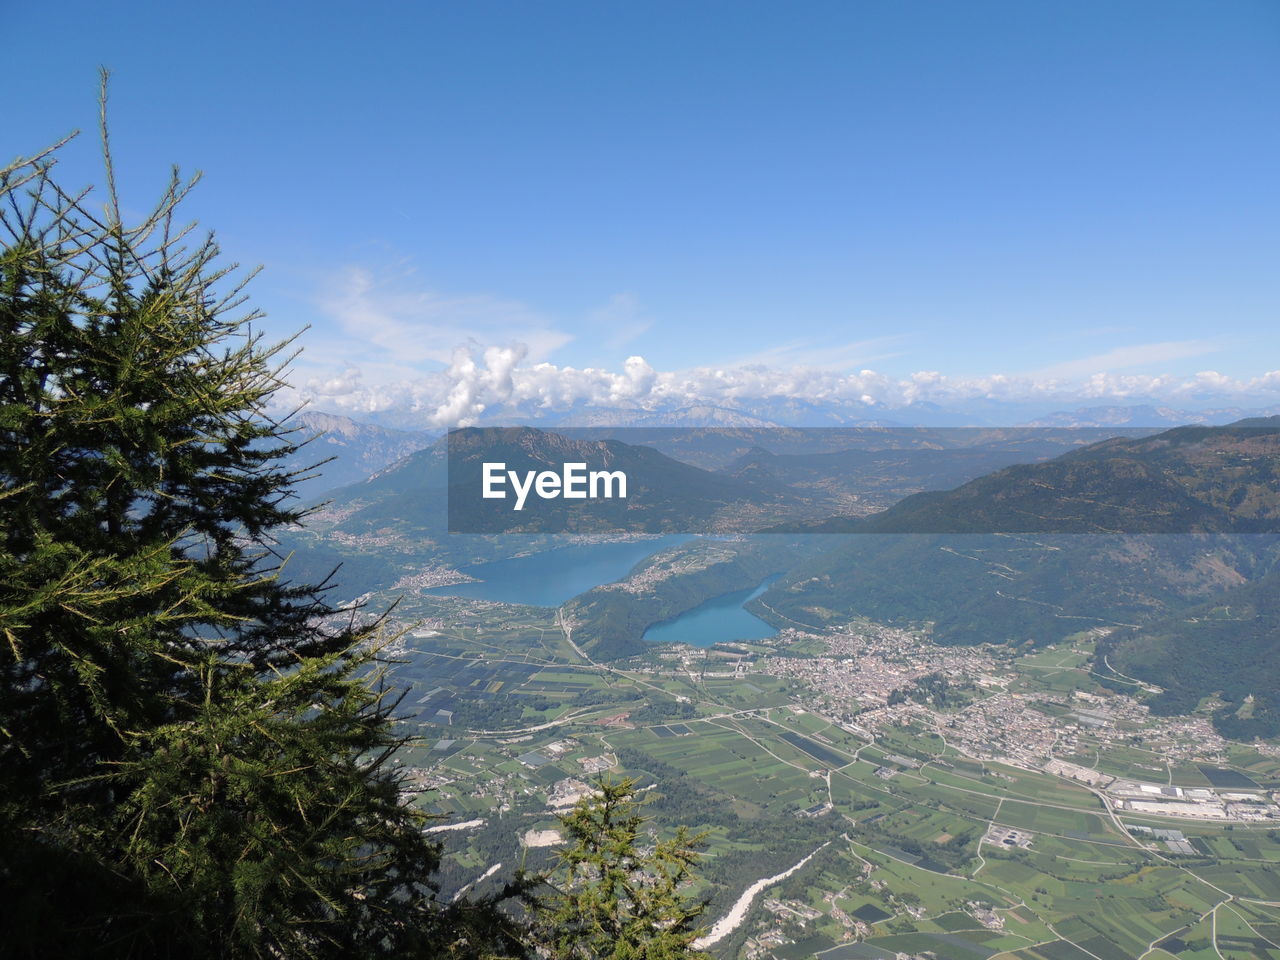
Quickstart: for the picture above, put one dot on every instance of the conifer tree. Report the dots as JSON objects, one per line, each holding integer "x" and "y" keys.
{"x": 194, "y": 752}
{"x": 620, "y": 894}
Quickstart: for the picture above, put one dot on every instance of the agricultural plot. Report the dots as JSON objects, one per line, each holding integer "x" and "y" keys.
{"x": 1187, "y": 775}
{"x": 484, "y": 628}
{"x": 1055, "y": 670}
{"x": 1001, "y": 782}
{"x": 756, "y": 691}
{"x": 966, "y": 945}
{"x": 910, "y": 807}
{"x": 1133, "y": 763}
{"x": 1262, "y": 768}
{"x": 802, "y": 720}
{"x": 1053, "y": 950}
{"x": 1072, "y": 824}
{"x": 1259, "y": 881}
{"x": 939, "y": 893}
{"x": 913, "y": 742}
{"x": 862, "y": 801}
{"x": 1227, "y": 779}
{"x": 1109, "y": 856}
{"x": 427, "y": 671}
{"x": 814, "y": 749}
{"x": 1234, "y": 935}
{"x": 730, "y": 762}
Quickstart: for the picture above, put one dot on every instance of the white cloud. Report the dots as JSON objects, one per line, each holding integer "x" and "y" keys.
{"x": 492, "y": 357}
{"x": 620, "y": 321}
{"x": 390, "y": 317}
{"x": 475, "y": 386}
{"x": 1135, "y": 355}
{"x": 339, "y": 385}
{"x": 813, "y": 353}
{"x": 498, "y": 380}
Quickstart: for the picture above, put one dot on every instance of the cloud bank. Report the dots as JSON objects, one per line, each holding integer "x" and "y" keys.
{"x": 412, "y": 356}
{"x": 488, "y": 382}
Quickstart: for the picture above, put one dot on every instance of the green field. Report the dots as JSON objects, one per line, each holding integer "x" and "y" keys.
{"x": 903, "y": 866}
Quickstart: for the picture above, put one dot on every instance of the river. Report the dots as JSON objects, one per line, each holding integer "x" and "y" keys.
{"x": 729, "y": 922}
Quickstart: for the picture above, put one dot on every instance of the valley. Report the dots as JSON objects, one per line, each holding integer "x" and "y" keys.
{"x": 949, "y": 745}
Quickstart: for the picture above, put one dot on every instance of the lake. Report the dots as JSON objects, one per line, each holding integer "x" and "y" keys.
{"x": 551, "y": 578}
{"x": 721, "y": 619}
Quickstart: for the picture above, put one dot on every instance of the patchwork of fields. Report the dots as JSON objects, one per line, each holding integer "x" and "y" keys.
{"x": 912, "y": 867}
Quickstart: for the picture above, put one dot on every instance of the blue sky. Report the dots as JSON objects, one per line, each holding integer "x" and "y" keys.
{"x": 1041, "y": 191}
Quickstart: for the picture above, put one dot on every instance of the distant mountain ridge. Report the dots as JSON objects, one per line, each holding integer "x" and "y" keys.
{"x": 835, "y": 411}
{"x": 1148, "y": 415}
{"x": 1185, "y": 480}
{"x": 357, "y": 449}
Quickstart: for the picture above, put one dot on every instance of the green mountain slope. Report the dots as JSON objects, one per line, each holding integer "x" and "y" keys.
{"x": 1195, "y": 612}
{"x": 1185, "y": 480}
{"x": 663, "y": 495}
{"x": 1228, "y": 646}
{"x": 1003, "y": 588}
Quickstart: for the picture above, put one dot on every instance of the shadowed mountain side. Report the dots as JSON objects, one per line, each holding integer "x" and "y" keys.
{"x": 663, "y": 495}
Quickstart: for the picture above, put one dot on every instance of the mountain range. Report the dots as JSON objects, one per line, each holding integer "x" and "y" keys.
{"x": 1185, "y": 480}
{"x": 337, "y": 450}
{"x": 1193, "y": 611}
{"x": 358, "y": 448}
{"x": 1162, "y": 602}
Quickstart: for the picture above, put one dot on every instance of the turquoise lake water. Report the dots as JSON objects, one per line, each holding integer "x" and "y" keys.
{"x": 721, "y": 619}
{"x": 549, "y": 579}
